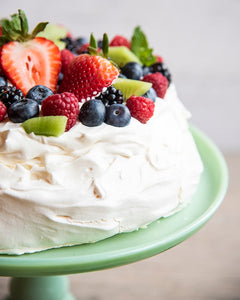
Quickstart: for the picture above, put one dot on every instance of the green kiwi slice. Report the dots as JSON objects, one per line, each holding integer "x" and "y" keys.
{"x": 122, "y": 55}
{"x": 130, "y": 87}
{"x": 48, "y": 125}
{"x": 54, "y": 33}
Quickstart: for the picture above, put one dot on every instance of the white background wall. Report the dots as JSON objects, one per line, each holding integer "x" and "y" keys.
{"x": 200, "y": 41}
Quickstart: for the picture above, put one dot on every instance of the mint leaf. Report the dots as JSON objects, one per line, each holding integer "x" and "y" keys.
{"x": 139, "y": 46}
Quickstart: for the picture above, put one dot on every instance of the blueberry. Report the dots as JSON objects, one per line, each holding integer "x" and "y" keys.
{"x": 3, "y": 81}
{"x": 92, "y": 113}
{"x": 38, "y": 93}
{"x": 151, "y": 94}
{"x": 132, "y": 70}
{"x": 23, "y": 110}
{"x": 117, "y": 115}
{"x": 122, "y": 76}
{"x": 145, "y": 70}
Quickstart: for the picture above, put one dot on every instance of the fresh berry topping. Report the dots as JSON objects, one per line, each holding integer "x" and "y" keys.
{"x": 10, "y": 94}
{"x": 111, "y": 96}
{"x": 151, "y": 94}
{"x": 119, "y": 40}
{"x": 31, "y": 63}
{"x": 65, "y": 104}
{"x": 92, "y": 113}
{"x": 23, "y": 110}
{"x": 87, "y": 76}
{"x": 74, "y": 44}
{"x": 39, "y": 93}
{"x": 141, "y": 108}
{"x": 159, "y": 58}
{"x": 83, "y": 49}
{"x": 132, "y": 70}
{"x": 117, "y": 115}
{"x": 66, "y": 57}
{"x": 159, "y": 83}
{"x": 145, "y": 70}
{"x": 3, "y": 111}
{"x": 28, "y": 60}
{"x": 161, "y": 68}
{"x": 3, "y": 81}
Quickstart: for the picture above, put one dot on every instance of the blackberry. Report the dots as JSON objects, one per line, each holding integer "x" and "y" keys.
{"x": 161, "y": 68}
{"x": 10, "y": 94}
{"x": 111, "y": 96}
{"x": 74, "y": 44}
{"x": 3, "y": 81}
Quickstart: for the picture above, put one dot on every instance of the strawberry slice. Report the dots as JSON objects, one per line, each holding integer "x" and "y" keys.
{"x": 30, "y": 63}
{"x": 28, "y": 60}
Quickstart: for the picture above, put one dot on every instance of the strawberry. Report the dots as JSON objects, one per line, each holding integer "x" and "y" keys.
{"x": 66, "y": 57}
{"x": 88, "y": 75}
{"x": 141, "y": 108}
{"x": 119, "y": 40}
{"x": 65, "y": 104}
{"x": 28, "y": 60}
{"x": 159, "y": 83}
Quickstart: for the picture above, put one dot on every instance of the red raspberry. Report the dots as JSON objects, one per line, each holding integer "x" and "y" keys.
{"x": 159, "y": 83}
{"x": 159, "y": 58}
{"x": 65, "y": 104}
{"x": 141, "y": 108}
{"x": 119, "y": 40}
{"x": 66, "y": 57}
{"x": 3, "y": 111}
{"x": 83, "y": 48}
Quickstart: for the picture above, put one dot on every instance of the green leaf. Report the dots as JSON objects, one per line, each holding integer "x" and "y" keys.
{"x": 23, "y": 22}
{"x": 105, "y": 45}
{"x": 92, "y": 50}
{"x": 40, "y": 27}
{"x": 139, "y": 46}
{"x": 93, "y": 42}
{"x": 15, "y": 23}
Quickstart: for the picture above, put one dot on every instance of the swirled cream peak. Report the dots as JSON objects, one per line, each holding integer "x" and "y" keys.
{"x": 93, "y": 182}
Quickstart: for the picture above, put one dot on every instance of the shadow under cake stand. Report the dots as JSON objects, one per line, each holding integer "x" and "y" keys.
{"x": 37, "y": 276}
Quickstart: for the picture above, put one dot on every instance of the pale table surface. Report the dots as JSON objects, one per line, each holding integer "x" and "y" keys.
{"x": 206, "y": 266}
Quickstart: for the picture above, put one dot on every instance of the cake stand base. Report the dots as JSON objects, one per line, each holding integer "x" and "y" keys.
{"x": 40, "y": 288}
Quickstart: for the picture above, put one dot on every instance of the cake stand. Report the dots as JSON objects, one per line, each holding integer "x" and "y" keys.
{"x": 37, "y": 276}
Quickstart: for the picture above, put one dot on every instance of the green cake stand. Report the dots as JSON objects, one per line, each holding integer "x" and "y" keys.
{"x": 40, "y": 276}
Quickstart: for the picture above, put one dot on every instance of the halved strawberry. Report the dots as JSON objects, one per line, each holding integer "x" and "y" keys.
{"x": 31, "y": 63}
{"x": 28, "y": 60}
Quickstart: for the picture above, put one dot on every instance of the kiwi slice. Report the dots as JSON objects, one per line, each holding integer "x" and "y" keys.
{"x": 48, "y": 125}
{"x": 130, "y": 87}
{"x": 122, "y": 55}
{"x": 54, "y": 33}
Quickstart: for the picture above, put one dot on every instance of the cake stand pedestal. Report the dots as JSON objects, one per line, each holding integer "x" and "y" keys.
{"x": 36, "y": 276}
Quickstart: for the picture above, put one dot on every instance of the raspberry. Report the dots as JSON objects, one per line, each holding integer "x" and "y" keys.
{"x": 159, "y": 58}
{"x": 83, "y": 48}
{"x": 66, "y": 57}
{"x": 159, "y": 83}
{"x": 65, "y": 104}
{"x": 119, "y": 40}
{"x": 3, "y": 111}
{"x": 141, "y": 108}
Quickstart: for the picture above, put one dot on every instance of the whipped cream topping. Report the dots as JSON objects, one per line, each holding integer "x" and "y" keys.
{"x": 94, "y": 182}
